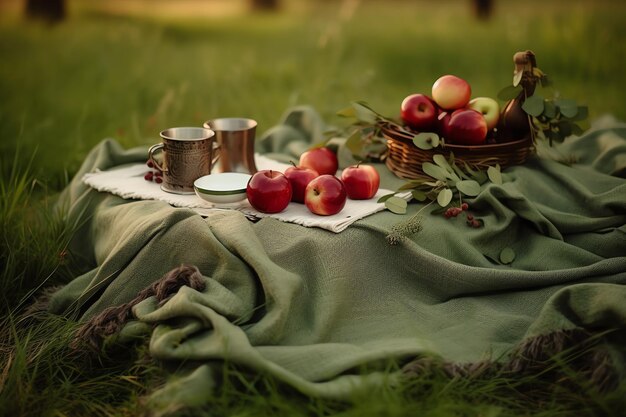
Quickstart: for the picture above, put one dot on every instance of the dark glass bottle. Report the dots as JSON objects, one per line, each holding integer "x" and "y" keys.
{"x": 514, "y": 123}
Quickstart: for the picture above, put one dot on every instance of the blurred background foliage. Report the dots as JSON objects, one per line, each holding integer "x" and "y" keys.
{"x": 129, "y": 68}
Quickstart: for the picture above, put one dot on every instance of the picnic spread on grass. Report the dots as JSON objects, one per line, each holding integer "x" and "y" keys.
{"x": 534, "y": 263}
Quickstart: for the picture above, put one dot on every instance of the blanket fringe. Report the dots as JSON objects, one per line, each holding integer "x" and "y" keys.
{"x": 111, "y": 320}
{"x": 41, "y": 302}
{"x": 577, "y": 349}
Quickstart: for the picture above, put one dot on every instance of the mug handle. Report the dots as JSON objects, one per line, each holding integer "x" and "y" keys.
{"x": 153, "y": 149}
{"x": 216, "y": 148}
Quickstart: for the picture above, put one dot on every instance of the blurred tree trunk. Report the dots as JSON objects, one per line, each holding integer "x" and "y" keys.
{"x": 49, "y": 10}
{"x": 267, "y": 5}
{"x": 483, "y": 8}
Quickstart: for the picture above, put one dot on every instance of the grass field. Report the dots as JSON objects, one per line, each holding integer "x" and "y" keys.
{"x": 129, "y": 73}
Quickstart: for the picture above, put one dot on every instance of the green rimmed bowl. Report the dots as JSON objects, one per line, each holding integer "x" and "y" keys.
{"x": 222, "y": 188}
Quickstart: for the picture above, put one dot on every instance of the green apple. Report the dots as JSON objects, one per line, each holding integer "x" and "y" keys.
{"x": 488, "y": 107}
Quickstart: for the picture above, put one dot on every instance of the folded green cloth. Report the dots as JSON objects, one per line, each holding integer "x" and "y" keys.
{"x": 310, "y": 306}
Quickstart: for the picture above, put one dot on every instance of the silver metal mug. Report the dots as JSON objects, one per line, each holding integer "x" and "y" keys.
{"x": 188, "y": 154}
{"x": 235, "y": 140}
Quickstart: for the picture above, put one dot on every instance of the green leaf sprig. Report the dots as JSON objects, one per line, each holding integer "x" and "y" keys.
{"x": 365, "y": 142}
{"x": 443, "y": 179}
{"x": 552, "y": 118}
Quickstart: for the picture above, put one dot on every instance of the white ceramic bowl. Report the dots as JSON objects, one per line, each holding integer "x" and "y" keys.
{"x": 222, "y": 188}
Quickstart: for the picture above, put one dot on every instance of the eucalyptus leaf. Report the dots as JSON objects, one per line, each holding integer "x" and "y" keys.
{"x": 411, "y": 184}
{"x": 321, "y": 144}
{"x": 510, "y": 92}
{"x": 432, "y": 195}
{"x": 419, "y": 195}
{"x": 549, "y": 109}
{"x": 460, "y": 172}
{"x": 533, "y": 105}
{"x": 434, "y": 171}
{"x": 476, "y": 175}
{"x": 507, "y": 256}
{"x": 442, "y": 162}
{"x": 568, "y": 108}
{"x": 347, "y": 112}
{"x": 480, "y": 177}
{"x": 444, "y": 197}
{"x": 565, "y": 128}
{"x": 396, "y": 205}
{"x": 385, "y": 197}
{"x": 517, "y": 78}
{"x": 426, "y": 140}
{"x": 494, "y": 174}
{"x": 364, "y": 113}
{"x": 468, "y": 187}
{"x": 354, "y": 143}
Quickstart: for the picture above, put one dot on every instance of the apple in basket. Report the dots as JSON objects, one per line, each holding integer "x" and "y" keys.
{"x": 467, "y": 127}
{"x": 299, "y": 177}
{"x": 361, "y": 181}
{"x": 418, "y": 112}
{"x": 489, "y": 108}
{"x": 443, "y": 121}
{"x": 451, "y": 92}
{"x": 269, "y": 191}
{"x": 325, "y": 195}
{"x": 322, "y": 160}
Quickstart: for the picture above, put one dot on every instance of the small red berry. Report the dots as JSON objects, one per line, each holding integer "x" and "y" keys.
{"x": 476, "y": 224}
{"x": 150, "y": 163}
{"x": 464, "y": 206}
{"x": 148, "y": 176}
{"x": 470, "y": 217}
{"x": 158, "y": 180}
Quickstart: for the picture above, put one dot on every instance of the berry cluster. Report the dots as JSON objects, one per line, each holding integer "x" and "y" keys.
{"x": 472, "y": 222}
{"x": 455, "y": 211}
{"x": 156, "y": 175}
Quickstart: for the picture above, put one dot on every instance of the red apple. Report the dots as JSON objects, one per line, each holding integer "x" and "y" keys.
{"x": 269, "y": 191}
{"x": 361, "y": 181}
{"x": 322, "y": 160}
{"x": 451, "y": 92}
{"x": 325, "y": 195}
{"x": 299, "y": 177}
{"x": 418, "y": 112}
{"x": 443, "y": 121}
{"x": 467, "y": 127}
{"x": 489, "y": 108}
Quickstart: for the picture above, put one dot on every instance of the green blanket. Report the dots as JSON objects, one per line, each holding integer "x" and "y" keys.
{"x": 311, "y": 307}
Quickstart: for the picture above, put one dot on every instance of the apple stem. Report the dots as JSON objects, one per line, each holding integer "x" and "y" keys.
{"x": 293, "y": 163}
{"x": 358, "y": 163}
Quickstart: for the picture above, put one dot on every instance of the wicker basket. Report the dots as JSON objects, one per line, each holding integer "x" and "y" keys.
{"x": 405, "y": 159}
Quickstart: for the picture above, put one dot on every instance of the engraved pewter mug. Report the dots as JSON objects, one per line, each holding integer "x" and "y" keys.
{"x": 188, "y": 154}
{"x": 235, "y": 140}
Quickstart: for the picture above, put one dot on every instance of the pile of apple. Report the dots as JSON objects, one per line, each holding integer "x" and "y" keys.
{"x": 312, "y": 182}
{"x": 451, "y": 113}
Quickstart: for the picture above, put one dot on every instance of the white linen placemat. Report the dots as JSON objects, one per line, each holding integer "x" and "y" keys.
{"x": 128, "y": 182}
